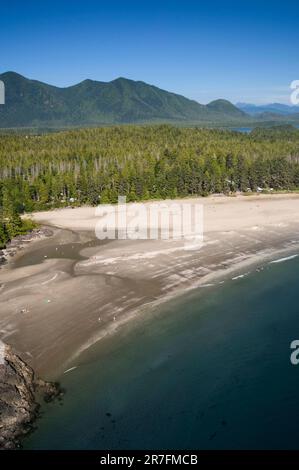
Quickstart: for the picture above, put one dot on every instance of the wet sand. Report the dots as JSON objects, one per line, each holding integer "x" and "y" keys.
{"x": 61, "y": 295}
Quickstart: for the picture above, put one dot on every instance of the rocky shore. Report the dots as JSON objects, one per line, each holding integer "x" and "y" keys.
{"x": 20, "y": 391}
{"x": 21, "y": 241}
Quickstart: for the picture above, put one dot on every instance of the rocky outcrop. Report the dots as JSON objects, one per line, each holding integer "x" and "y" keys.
{"x": 21, "y": 241}
{"x": 20, "y": 391}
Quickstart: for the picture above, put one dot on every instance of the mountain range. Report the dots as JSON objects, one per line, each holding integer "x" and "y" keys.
{"x": 31, "y": 103}
{"x": 272, "y": 108}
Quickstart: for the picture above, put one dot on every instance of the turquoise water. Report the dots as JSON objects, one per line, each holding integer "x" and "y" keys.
{"x": 209, "y": 371}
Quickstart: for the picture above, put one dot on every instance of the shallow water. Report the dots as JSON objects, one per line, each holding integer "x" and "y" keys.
{"x": 64, "y": 245}
{"x": 208, "y": 371}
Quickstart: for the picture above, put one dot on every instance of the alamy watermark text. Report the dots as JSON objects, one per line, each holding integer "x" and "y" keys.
{"x": 2, "y": 92}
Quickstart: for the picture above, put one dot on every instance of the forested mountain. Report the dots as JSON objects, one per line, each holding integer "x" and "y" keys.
{"x": 226, "y": 107}
{"x": 93, "y": 166}
{"x": 30, "y": 103}
{"x": 279, "y": 118}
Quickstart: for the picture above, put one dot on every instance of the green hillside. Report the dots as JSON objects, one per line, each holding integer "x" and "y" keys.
{"x": 30, "y": 103}
{"x": 227, "y": 108}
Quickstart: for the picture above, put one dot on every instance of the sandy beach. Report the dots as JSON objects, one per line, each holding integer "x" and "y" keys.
{"x": 61, "y": 295}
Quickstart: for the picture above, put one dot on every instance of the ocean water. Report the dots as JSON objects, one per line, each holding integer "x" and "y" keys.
{"x": 210, "y": 370}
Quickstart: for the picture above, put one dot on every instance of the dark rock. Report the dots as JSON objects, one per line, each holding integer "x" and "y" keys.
{"x": 19, "y": 389}
{"x": 18, "y": 243}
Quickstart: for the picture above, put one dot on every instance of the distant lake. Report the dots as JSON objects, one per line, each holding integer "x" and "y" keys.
{"x": 247, "y": 130}
{"x": 244, "y": 130}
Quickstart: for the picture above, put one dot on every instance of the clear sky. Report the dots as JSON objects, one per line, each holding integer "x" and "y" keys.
{"x": 238, "y": 50}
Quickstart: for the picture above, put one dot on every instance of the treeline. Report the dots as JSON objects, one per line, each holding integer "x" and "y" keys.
{"x": 11, "y": 223}
{"x": 92, "y": 166}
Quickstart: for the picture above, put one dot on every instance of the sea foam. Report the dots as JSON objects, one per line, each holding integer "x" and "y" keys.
{"x": 282, "y": 260}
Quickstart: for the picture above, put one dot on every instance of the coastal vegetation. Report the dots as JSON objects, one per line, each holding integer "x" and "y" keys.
{"x": 11, "y": 224}
{"x": 93, "y": 166}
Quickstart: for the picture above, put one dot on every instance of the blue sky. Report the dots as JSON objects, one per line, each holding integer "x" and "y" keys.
{"x": 241, "y": 51}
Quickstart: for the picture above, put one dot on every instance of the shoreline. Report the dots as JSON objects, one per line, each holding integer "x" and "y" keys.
{"x": 21, "y": 394}
{"x": 213, "y": 279}
{"x": 63, "y": 294}
{"x": 20, "y": 242}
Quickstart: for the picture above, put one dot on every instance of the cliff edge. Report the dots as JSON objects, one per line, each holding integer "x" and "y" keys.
{"x": 19, "y": 389}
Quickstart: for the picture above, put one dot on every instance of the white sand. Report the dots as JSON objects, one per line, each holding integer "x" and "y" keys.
{"x": 220, "y": 213}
